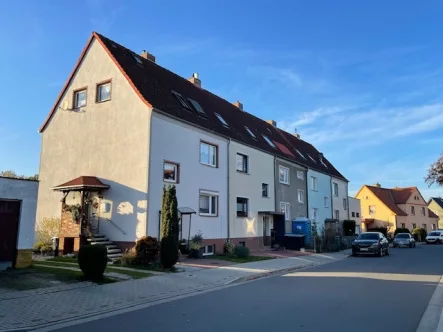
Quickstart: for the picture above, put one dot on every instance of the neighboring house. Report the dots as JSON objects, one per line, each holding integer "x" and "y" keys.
{"x": 252, "y": 195}
{"x": 339, "y": 193}
{"x": 123, "y": 127}
{"x": 355, "y": 214}
{"x": 395, "y": 208}
{"x": 18, "y": 202}
{"x": 319, "y": 197}
{"x": 290, "y": 191}
{"x": 435, "y": 204}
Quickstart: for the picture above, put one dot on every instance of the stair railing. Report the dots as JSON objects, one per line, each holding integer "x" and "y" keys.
{"x": 115, "y": 225}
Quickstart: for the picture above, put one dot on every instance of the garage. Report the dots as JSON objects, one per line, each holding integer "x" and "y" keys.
{"x": 9, "y": 226}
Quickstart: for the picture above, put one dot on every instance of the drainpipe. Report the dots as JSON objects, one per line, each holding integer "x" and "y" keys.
{"x": 347, "y": 199}
{"x": 332, "y": 199}
{"x": 306, "y": 191}
{"x": 275, "y": 184}
{"x": 229, "y": 193}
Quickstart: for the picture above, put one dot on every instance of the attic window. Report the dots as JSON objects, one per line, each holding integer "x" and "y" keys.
{"x": 300, "y": 154}
{"x": 269, "y": 141}
{"x": 311, "y": 158}
{"x": 197, "y": 107}
{"x": 323, "y": 163}
{"x": 223, "y": 121}
{"x": 181, "y": 100}
{"x": 139, "y": 61}
{"x": 250, "y": 132}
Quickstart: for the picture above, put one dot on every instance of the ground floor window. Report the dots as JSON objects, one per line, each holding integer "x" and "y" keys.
{"x": 414, "y": 226}
{"x": 434, "y": 227}
{"x": 209, "y": 249}
{"x": 242, "y": 207}
{"x": 403, "y": 225}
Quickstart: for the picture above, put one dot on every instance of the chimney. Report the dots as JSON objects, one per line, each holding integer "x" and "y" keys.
{"x": 378, "y": 185}
{"x": 195, "y": 80}
{"x": 239, "y": 105}
{"x": 272, "y": 122}
{"x": 296, "y": 134}
{"x": 147, "y": 56}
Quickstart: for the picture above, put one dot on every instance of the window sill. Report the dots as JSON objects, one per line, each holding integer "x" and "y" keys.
{"x": 241, "y": 217}
{"x": 209, "y": 165}
{"x": 285, "y": 183}
{"x": 208, "y": 215}
{"x": 102, "y": 101}
{"x": 168, "y": 181}
{"x": 241, "y": 172}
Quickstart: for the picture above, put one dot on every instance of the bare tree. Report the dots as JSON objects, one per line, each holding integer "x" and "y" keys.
{"x": 435, "y": 172}
{"x": 11, "y": 174}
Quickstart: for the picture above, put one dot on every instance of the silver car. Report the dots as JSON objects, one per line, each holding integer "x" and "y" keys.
{"x": 404, "y": 239}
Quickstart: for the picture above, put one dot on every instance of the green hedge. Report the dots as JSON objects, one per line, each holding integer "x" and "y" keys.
{"x": 419, "y": 234}
{"x": 401, "y": 230}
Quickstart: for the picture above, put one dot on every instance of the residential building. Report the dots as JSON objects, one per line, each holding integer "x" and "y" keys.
{"x": 18, "y": 202}
{"x": 339, "y": 193}
{"x": 355, "y": 214}
{"x": 252, "y": 195}
{"x": 290, "y": 191}
{"x": 435, "y": 204}
{"x": 123, "y": 127}
{"x": 319, "y": 197}
{"x": 395, "y": 208}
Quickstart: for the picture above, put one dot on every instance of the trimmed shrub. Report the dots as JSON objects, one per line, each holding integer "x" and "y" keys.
{"x": 401, "y": 230}
{"x": 169, "y": 228}
{"x": 383, "y": 230}
{"x": 128, "y": 258}
{"x": 228, "y": 248}
{"x": 419, "y": 234}
{"x": 92, "y": 260}
{"x": 146, "y": 250}
{"x": 348, "y": 227}
{"x": 241, "y": 252}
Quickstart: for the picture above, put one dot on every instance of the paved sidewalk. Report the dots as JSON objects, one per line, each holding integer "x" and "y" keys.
{"x": 42, "y": 309}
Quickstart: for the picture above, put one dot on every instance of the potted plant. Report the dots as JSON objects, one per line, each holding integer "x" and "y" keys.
{"x": 196, "y": 246}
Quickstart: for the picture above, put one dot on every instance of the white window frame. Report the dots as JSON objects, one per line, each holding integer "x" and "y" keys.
{"x": 211, "y": 148}
{"x": 285, "y": 207}
{"x": 284, "y": 169}
{"x": 76, "y": 98}
{"x": 345, "y": 204}
{"x": 300, "y": 175}
{"x": 335, "y": 188}
{"x": 248, "y": 206}
{"x": 209, "y": 194}
{"x": 100, "y": 86}
{"x": 205, "y": 249}
{"x": 221, "y": 119}
{"x": 250, "y": 132}
{"x": 315, "y": 214}
{"x": 301, "y": 196}
{"x": 337, "y": 214}
{"x": 245, "y": 163}
{"x": 372, "y": 212}
{"x": 423, "y": 211}
{"x": 326, "y": 201}
{"x": 412, "y": 210}
{"x": 266, "y": 138}
{"x": 314, "y": 183}
{"x": 176, "y": 170}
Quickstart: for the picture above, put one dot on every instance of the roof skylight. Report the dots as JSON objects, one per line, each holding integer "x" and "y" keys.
{"x": 197, "y": 107}
{"x": 311, "y": 157}
{"x": 223, "y": 121}
{"x": 250, "y": 132}
{"x": 136, "y": 58}
{"x": 269, "y": 141}
{"x": 181, "y": 100}
{"x": 323, "y": 163}
{"x": 299, "y": 153}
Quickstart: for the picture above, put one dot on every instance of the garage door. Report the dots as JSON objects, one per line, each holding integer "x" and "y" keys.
{"x": 9, "y": 220}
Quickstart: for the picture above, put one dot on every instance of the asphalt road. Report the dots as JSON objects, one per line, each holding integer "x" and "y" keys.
{"x": 356, "y": 294}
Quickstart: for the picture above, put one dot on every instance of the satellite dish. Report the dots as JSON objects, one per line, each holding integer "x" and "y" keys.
{"x": 64, "y": 105}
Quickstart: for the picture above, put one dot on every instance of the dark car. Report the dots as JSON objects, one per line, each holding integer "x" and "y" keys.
{"x": 370, "y": 243}
{"x": 404, "y": 239}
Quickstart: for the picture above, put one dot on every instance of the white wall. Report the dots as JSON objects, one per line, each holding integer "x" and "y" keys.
{"x": 337, "y": 201}
{"x": 25, "y": 191}
{"x": 249, "y": 185}
{"x": 355, "y": 207}
{"x": 178, "y": 142}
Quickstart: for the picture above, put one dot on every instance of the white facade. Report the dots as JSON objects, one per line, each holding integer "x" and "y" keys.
{"x": 339, "y": 193}
{"x": 176, "y": 143}
{"x": 253, "y": 181}
{"x": 355, "y": 213}
{"x": 24, "y": 191}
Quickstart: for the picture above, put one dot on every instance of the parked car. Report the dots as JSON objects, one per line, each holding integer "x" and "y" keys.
{"x": 373, "y": 243}
{"x": 434, "y": 237}
{"x": 404, "y": 239}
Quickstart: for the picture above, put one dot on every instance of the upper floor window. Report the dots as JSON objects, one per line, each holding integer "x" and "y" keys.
{"x": 315, "y": 214}
{"x": 242, "y": 163}
{"x": 283, "y": 174}
{"x": 242, "y": 207}
{"x": 103, "y": 92}
{"x": 371, "y": 209}
{"x": 222, "y": 120}
{"x": 265, "y": 190}
{"x": 170, "y": 172}
{"x": 335, "y": 189}
{"x": 300, "y": 175}
{"x": 269, "y": 141}
{"x": 208, "y": 154}
{"x": 80, "y": 98}
{"x": 314, "y": 183}
{"x": 345, "y": 205}
{"x": 357, "y": 214}
{"x": 337, "y": 214}
{"x": 413, "y": 210}
{"x": 326, "y": 202}
{"x": 300, "y": 196}
{"x": 181, "y": 100}
{"x": 422, "y": 211}
{"x": 250, "y": 132}
{"x": 353, "y": 214}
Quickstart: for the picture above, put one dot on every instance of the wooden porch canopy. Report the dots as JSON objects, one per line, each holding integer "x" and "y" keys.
{"x": 367, "y": 221}
{"x": 82, "y": 183}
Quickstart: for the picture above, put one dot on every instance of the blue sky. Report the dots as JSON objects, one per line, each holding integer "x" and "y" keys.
{"x": 362, "y": 82}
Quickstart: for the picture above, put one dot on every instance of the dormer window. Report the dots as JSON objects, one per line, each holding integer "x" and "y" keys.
{"x": 323, "y": 163}
{"x": 268, "y": 141}
{"x": 197, "y": 107}
{"x": 311, "y": 158}
{"x": 223, "y": 121}
{"x": 250, "y": 132}
{"x": 181, "y": 100}
{"x": 300, "y": 154}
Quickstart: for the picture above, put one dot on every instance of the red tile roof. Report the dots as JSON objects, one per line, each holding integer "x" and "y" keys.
{"x": 432, "y": 214}
{"x": 82, "y": 182}
{"x": 154, "y": 85}
{"x": 385, "y": 195}
{"x": 284, "y": 149}
{"x": 401, "y": 195}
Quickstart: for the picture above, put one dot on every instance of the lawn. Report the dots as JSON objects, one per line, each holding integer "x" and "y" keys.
{"x": 235, "y": 259}
{"x": 67, "y": 275}
{"x": 64, "y": 259}
{"x": 151, "y": 267}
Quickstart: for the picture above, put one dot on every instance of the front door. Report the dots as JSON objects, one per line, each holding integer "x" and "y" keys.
{"x": 9, "y": 222}
{"x": 266, "y": 231}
